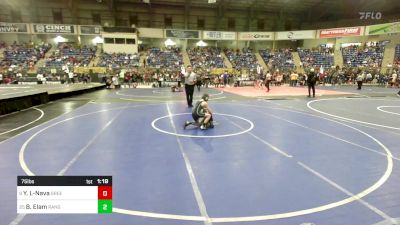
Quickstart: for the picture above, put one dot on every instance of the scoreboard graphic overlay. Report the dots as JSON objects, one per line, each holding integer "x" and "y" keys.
{"x": 64, "y": 194}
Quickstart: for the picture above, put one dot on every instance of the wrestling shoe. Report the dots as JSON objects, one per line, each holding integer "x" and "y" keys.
{"x": 186, "y": 124}
{"x": 202, "y": 127}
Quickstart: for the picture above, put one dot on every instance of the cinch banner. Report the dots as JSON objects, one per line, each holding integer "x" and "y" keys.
{"x": 386, "y": 28}
{"x": 341, "y": 32}
{"x": 53, "y": 29}
{"x": 256, "y": 36}
{"x": 182, "y": 34}
{"x": 13, "y": 28}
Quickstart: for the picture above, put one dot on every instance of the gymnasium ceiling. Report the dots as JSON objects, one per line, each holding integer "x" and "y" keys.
{"x": 334, "y": 9}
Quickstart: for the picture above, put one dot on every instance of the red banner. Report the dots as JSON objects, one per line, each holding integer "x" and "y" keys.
{"x": 340, "y": 32}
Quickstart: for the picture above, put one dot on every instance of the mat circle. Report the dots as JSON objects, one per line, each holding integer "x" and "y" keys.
{"x": 153, "y": 124}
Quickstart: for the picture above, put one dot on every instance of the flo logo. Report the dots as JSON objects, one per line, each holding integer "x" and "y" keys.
{"x": 370, "y": 15}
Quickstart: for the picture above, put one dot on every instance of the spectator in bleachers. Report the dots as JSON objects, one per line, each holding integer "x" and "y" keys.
{"x": 118, "y": 60}
{"x": 370, "y": 56}
{"x": 70, "y": 56}
{"x": 316, "y": 57}
{"x": 170, "y": 58}
{"x": 20, "y": 56}
{"x": 396, "y": 61}
{"x": 242, "y": 59}
{"x": 281, "y": 59}
{"x": 207, "y": 57}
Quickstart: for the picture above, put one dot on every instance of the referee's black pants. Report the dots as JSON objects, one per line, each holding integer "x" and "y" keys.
{"x": 267, "y": 84}
{"x": 359, "y": 84}
{"x": 189, "y": 89}
{"x": 311, "y": 86}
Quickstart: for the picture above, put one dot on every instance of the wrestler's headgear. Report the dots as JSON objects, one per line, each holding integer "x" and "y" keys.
{"x": 205, "y": 97}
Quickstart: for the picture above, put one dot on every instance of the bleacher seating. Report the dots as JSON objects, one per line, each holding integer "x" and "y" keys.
{"x": 370, "y": 56}
{"x": 242, "y": 59}
{"x": 206, "y": 57}
{"x": 281, "y": 59}
{"x": 317, "y": 58}
{"x": 21, "y": 56}
{"x": 117, "y": 60}
{"x": 397, "y": 55}
{"x": 170, "y": 58}
{"x": 67, "y": 55}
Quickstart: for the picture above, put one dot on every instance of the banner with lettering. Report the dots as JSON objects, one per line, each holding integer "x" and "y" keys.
{"x": 295, "y": 35}
{"x": 219, "y": 35}
{"x": 13, "y": 28}
{"x": 386, "y": 28}
{"x": 341, "y": 32}
{"x": 53, "y": 29}
{"x": 256, "y": 36}
{"x": 182, "y": 34}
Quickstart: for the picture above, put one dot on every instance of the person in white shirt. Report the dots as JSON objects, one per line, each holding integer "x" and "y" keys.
{"x": 160, "y": 80}
{"x": 39, "y": 78}
{"x": 190, "y": 81}
{"x": 360, "y": 78}
{"x": 44, "y": 80}
{"x": 369, "y": 77}
{"x": 268, "y": 79}
{"x": 115, "y": 81}
{"x": 1, "y": 78}
{"x": 394, "y": 79}
{"x": 71, "y": 77}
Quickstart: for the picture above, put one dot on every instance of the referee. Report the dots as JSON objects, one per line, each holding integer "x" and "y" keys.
{"x": 190, "y": 81}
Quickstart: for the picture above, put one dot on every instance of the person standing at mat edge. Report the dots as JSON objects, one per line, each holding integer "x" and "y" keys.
{"x": 268, "y": 79}
{"x": 190, "y": 81}
{"x": 360, "y": 78}
{"x": 311, "y": 80}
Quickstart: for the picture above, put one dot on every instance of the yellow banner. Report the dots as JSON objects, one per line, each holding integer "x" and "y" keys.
{"x": 222, "y": 70}
{"x": 87, "y": 69}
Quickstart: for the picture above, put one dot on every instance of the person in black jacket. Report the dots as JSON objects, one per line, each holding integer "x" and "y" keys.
{"x": 311, "y": 80}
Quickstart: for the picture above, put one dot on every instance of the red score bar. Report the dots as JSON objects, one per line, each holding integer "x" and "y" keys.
{"x": 104, "y": 192}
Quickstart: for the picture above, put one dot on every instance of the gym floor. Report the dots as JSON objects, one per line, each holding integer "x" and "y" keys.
{"x": 330, "y": 160}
